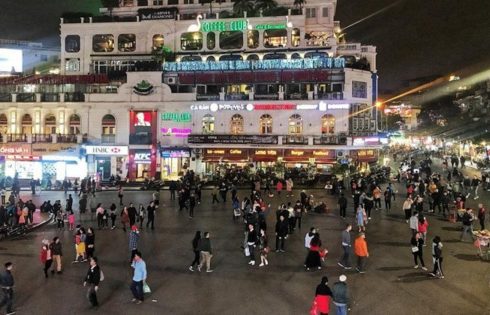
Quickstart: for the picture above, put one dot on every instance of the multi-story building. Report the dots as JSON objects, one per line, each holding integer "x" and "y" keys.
{"x": 159, "y": 87}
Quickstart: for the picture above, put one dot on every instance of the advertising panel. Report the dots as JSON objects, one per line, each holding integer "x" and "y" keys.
{"x": 10, "y": 60}
{"x": 106, "y": 150}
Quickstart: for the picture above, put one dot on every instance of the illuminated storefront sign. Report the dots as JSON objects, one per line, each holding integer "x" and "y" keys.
{"x": 214, "y": 107}
{"x": 169, "y": 153}
{"x": 270, "y": 26}
{"x": 306, "y": 106}
{"x": 142, "y": 156}
{"x": 47, "y": 148}
{"x": 324, "y": 106}
{"x": 266, "y": 152}
{"x": 365, "y": 141}
{"x": 222, "y": 26}
{"x": 233, "y": 139}
{"x": 176, "y": 117}
{"x": 274, "y": 64}
{"x": 106, "y": 150}
{"x": 15, "y": 149}
{"x": 176, "y": 132}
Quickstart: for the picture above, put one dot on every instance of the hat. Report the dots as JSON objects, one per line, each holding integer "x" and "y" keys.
{"x": 134, "y": 228}
{"x": 342, "y": 278}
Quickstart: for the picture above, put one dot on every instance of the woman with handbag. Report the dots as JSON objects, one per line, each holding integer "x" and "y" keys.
{"x": 264, "y": 248}
{"x": 417, "y": 243}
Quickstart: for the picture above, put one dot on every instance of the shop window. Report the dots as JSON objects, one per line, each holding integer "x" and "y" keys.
{"x": 317, "y": 38}
{"x": 50, "y": 124}
{"x": 157, "y": 2}
{"x": 275, "y": 38}
{"x": 295, "y": 125}
{"x": 191, "y": 41}
{"x": 207, "y": 124}
{"x": 26, "y": 124}
{"x": 3, "y": 124}
{"x": 103, "y": 43}
{"x": 191, "y": 58}
{"x": 253, "y": 39}
{"x": 236, "y": 124}
{"x": 274, "y": 56}
{"x": 108, "y": 125}
{"x": 328, "y": 124}
{"x": 142, "y": 3}
{"x": 158, "y": 42}
{"x": 265, "y": 124}
{"x": 72, "y": 43}
{"x": 210, "y": 59}
{"x": 231, "y": 40}
{"x": 74, "y": 124}
{"x": 295, "y": 37}
{"x": 211, "y": 40}
{"x": 252, "y": 57}
{"x": 126, "y": 42}
{"x": 295, "y": 56}
{"x": 230, "y": 57}
{"x": 315, "y": 55}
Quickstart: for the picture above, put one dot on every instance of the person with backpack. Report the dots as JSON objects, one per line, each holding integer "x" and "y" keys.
{"x": 92, "y": 279}
{"x": 467, "y": 220}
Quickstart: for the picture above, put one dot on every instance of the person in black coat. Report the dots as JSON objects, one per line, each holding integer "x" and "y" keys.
{"x": 151, "y": 215}
{"x": 281, "y": 233}
{"x": 342, "y": 205}
{"x": 92, "y": 280}
{"x": 132, "y": 214}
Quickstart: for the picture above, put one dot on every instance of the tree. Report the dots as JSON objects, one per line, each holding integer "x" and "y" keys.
{"x": 203, "y": 2}
{"x": 299, "y": 4}
{"x": 265, "y": 5}
{"x": 110, "y": 5}
{"x": 241, "y": 6}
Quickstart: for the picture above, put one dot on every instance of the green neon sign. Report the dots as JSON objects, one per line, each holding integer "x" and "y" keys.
{"x": 223, "y": 26}
{"x": 176, "y": 117}
{"x": 270, "y": 26}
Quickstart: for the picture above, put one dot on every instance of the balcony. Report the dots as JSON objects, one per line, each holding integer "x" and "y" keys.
{"x": 329, "y": 140}
{"x": 204, "y": 97}
{"x": 295, "y": 140}
{"x": 236, "y": 97}
{"x": 74, "y": 97}
{"x": 143, "y": 138}
{"x": 15, "y": 137}
{"x": 297, "y": 96}
{"x": 67, "y": 139}
{"x": 50, "y": 97}
{"x": 266, "y": 97}
{"x": 330, "y": 96}
{"x": 108, "y": 139}
{"x": 26, "y": 97}
{"x": 5, "y": 97}
{"x": 39, "y": 138}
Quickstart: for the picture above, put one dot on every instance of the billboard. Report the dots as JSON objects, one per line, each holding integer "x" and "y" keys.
{"x": 10, "y": 60}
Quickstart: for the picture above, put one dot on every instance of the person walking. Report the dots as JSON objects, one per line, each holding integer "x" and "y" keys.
{"x": 323, "y": 294}
{"x": 113, "y": 216}
{"x": 57, "y": 252}
{"x": 414, "y": 223}
{"x": 172, "y": 187}
{"x": 120, "y": 194}
{"x": 346, "y": 246}
{"x": 132, "y": 214}
{"x": 99, "y": 212}
{"x": 192, "y": 205}
{"x": 92, "y": 279}
{"x": 467, "y": 220}
{"x": 139, "y": 277}
{"x": 309, "y": 236}
{"x": 141, "y": 215}
{"x": 124, "y": 218}
{"x": 417, "y": 243}
{"x": 340, "y": 295}
{"x": 90, "y": 242}
{"x": 264, "y": 248}
{"x": 46, "y": 257}
{"x": 342, "y": 202}
{"x": 289, "y": 187}
{"x": 437, "y": 258}
{"x": 206, "y": 252}
{"x": 361, "y": 251}
{"x": 7, "y": 283}
{"x": 388, "y": 194}
{"x": 281, "y": 233}
{"x": 423, "y": 225}
{"x": 361, "y": 218}
{"x": 150, "y": 211}
{"x": 407, "y": 208}
{"x": 251, "y": 243}
{"x": 133, "y": 241}
{"x": 195, "y": 249}
{"x": 481, "y": 216}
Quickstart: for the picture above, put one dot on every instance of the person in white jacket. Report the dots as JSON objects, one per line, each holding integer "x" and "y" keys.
{"x": 309, "y": 236}
{"x": 414, "y": 222}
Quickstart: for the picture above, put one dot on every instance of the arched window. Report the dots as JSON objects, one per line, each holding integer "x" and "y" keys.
{"x": 295, "y": 126}
{"x": 158, "y": 42}
{"x": 74, "y": 124}
{"x": 108, "y": 125}
{"x": 3, "y": 124}
{"x": 210, "y": 59}
{"x": 50, "y": 124}
{"x": 236, "y": 124}
{"x": 265, "y": 124}
{"x": 252, "y": 57}
{"x": 26, "y": 124}
{"x": 295, "y": 56}
{"x": 208, "y": 124}
{"x": 328, "y": 124}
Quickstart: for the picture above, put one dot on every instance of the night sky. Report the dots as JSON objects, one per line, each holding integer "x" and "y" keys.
{"x": 414, "y": 38}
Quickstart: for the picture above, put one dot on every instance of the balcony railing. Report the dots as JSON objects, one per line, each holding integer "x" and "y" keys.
{"x": 26, "y": 97}
{"x": 75, "y": 97}
{"x": 42, "y": 138}
{"x": 140, "y": 139}
{"x": 5, "y": 97}
{"x": 330, "y": 96}
{"x": 330, "y": 139}
{"x": 11, "y": 137}
{"x": 67, "y": 139}
{"x": 203, "y": 97}
{"x": 269, "y": 96}
{"x": 108, "y": 139}
{"x": 50, "y": 97}
{"x": 236, "y": 97}
{"x": 299, "y": 140}
{"x": 297, "y": 96}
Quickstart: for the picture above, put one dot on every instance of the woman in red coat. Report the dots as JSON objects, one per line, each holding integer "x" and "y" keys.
{"x": 46, "y": 257}
{"x": 321, "y": 304}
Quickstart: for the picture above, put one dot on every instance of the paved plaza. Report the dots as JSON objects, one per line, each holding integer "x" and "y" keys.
{"x": 390, "y": 286}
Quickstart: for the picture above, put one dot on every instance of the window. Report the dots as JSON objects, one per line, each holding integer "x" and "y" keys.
{"x": 26, "y": 124}
{"x": 72, "y": 65}
{"x": 236, "y": 124}
{"x": 328, "y": 124}
{"x": 231, "y": 40}
{"x": 103, "y": 43}
{"x": 50, "y": 124}
{"x": 317, "y": 38}
{"x": 253, "y": 39}
{"x": 157, "y": 2}
{"x": 295, "y": 37}
{"x": 275, "y": 56}
{"x": 295, "y": 56}
{"x": 210, "y": 59}
{"x": 108, "y": 125}
{"x": 265, "y": 124}
{"x": 72, "y": 43}
{"x": 324, "y": 12}
{"x": 275, "y": 38}
{"x": 315, "y": 55}
{"x": 74, "y": 124}
{"x": 211, "y": 40}
{"x": 158, "y": 42}
{"x": 126, "y": 3}
{"x": 142, "y": 3}
{"x": 191, "y": 41}
{"x": 188, "y": 1}
{"x": 310, "y": 12}
{"x": 208, "y": 124}
{"x": 295, "y": 126}
{"x": 173, "y": 2}
{"x": 126, "y": 42}
{"x": 359, "y": 89}
{"x": 191, "y": 58}
{"x": 230, "y": 57}
{"x": 3, "y": 124}
{"x": 252, "y": 57}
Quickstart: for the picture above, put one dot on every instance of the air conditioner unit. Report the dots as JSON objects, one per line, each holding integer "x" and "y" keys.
{"x": 196, "y": 151}
{"x": 342, "y": 153}
{"x": 170, "y": 80}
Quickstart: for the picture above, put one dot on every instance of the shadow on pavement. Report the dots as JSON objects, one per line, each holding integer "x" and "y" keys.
{"x": 397, "y": 244}
{"x": 394, "y": 268}
{"x": 467, "y": 257}
{"x": 414, "y": 277}
{"x": 451, "y": 228}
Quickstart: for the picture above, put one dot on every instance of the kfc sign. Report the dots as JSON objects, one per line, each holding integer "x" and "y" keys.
{"x": 106, "y": 150}
{"x": 142, "y": 157}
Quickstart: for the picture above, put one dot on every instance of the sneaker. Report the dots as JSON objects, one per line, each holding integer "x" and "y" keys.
{"x": 347, "y": 268}
{"x": 277, "y": 251}
{"x": 133, "y": 300}
{"x": 362, "y": 272}
{"x": 210, "y": 270}
{"x": 191, "y": 269}
{"x": 139, "y": 302}
{"x": 282, "y": 250}
{"x": 319, "y": 268}
{"x": 253, "y": 263}
{"x": 266, "y": 262}
{"x": 476, "y": 197}
{"x": 441, "y": 277}
{"x": 198, "y": 268}
{"x": 357, "y": 269}
{"x": 423, "y": 268}
{"x": 340, "y": 265}
{"x": 261, "y": 265}
{"x": 307, "y": 269}
{"x": 416, "y": 266}
{"x": 432, "y": 274}
{"x": 11, "y": 313}
{"x": 369, "y": 218}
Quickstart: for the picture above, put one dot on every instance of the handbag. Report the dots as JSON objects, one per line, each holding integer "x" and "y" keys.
{"x": 247, "y": 251}
{"x": 415, "y": 249}
{"x": 146, "y": 288}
